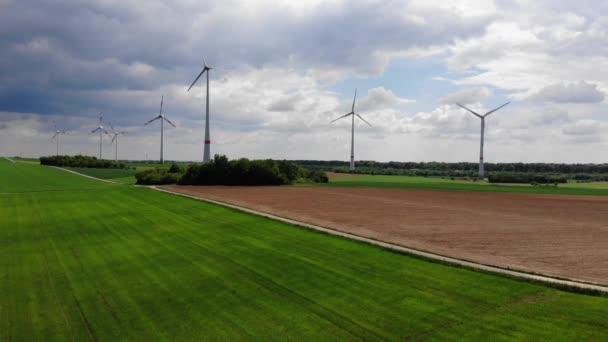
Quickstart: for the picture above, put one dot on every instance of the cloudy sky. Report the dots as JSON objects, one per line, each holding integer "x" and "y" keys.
{"x": 290, "y": 67}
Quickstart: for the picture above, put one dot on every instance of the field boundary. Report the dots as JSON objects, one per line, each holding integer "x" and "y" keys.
{"x": 548, "y": 280}
{"x": 9, "y": 159}
{"x": 83, "y": 175}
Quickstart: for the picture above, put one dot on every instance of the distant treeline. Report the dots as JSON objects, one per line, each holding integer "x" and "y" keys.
{"x": 81, "y": 161}
{"x": 221, "y": 171}
{"x": 526, "y": 177}
{"x": 462, "y": 167}
{"x": 156, "y": 162}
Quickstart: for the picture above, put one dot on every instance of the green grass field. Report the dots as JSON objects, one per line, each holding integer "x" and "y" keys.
{"x": 591, "y": 185}
{"x": 433, "y": 183}
{"x": 123, "y": 176}
{"x": 104, "y": 173}
{"x": 87, "y": 260}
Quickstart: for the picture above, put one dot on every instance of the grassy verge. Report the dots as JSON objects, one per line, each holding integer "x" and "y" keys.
{"x": 100, "y": 261}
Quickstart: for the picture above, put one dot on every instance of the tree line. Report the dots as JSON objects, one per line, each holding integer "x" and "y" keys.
{"x": 81, "y": 161}
{"x": 526, "y": 177}
{"x": 461, "y": 166}
{"x": 221, "y": 171}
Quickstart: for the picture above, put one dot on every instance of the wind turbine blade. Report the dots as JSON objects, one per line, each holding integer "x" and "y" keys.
{"x": 359, "y": 116}
{"x": 169, "y": 121}
{"x": 204, "y": 62}
{"x": 95, "y": 130}
{"x": 162, "y": 97}
{"x": 106, "y": 132}
{"x": 492, "y": 111}
{"x": 100, "y": 119}
{"x": 114, "y": 138}
{"x": 354, "y": 98}
{"x": 472, "y": 112}
{"x": 343, "y": 116}
{"x": 54, "y": 135}
{"x": 197, "y": 77}
{"x": 156, "y": 118}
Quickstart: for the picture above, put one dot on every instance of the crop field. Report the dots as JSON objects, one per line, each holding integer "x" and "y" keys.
{"x": 437, "y": 183}
{"x": 590, "y": 185}
{"x": 87, "y": 260}
{"x": 104, "y": 173}
{"x": 557, "y": 235}
{"x": 123, "y": 176}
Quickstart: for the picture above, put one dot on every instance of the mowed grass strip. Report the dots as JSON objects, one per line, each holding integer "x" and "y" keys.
{"x": 437, "y": 183}
{"x": 131, "y": 263}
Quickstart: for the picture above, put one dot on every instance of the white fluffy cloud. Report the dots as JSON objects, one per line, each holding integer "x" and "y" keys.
{"x": 283, "y": 63}
{"x": 581, "y": 92}
{"x": 466, "y": 96}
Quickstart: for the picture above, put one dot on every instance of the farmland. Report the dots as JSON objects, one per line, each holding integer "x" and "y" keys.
{"x": 86, "y": 260}
{"x": 563, "y": 236}
{"x": 124, "y": 176}
{"x": 104, "y": 173}
{"x": 438, "y": 183}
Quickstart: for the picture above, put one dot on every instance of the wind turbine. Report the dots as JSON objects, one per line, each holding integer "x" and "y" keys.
{"x": 115, "y": 135}
{"x": 162, "y": 121}
{"x": 207, "y": 150}
{"x": 483, "y": 127}
{"x": 56, "y": 136}
{"x": 101, "y": 130}
{"x": 352, "y": 138}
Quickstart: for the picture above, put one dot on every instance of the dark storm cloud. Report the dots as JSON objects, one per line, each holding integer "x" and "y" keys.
{"x": 58, "y": 54}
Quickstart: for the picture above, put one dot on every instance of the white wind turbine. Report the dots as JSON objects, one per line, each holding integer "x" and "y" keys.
{"x": 481, "y": 174}
{"x": 56, "y": 136}
{"x": 115, "y": 135}
{"x": 101, "y": 130}
{"x": 207, "y": 149}
{"x": 352, "y": 138}
{"x": 162, "y": 129}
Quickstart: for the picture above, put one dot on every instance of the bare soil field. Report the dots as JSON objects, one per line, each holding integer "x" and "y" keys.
{"x": 557, "y": 235}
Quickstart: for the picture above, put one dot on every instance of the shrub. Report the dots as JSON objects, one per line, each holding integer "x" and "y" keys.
{"x": 221, "y": 171}
{"x": 175, "y": 169}
{"x": 317, "y": 176}
{"x": 157, "y": 176}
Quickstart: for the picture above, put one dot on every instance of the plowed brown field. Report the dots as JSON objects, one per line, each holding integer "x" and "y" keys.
{"x": 557, "y": 235}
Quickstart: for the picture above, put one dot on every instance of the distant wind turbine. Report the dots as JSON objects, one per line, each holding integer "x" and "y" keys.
{"x": 207, "y": 149}
{"x": 56, "y": 136}
{"x": 115, "y": 135}
{"x": 352, "y": 138}
{"x": 101, "y": 130}
{"x": 162, "y": 121}
{"x": 482, "y": 174}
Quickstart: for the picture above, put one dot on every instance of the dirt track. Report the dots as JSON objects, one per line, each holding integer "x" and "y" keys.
{"x": 563, "y": 236}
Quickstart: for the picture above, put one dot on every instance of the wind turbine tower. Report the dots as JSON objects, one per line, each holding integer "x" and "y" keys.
{"x": 101, "y": 130}
{"x": 162, "y": 128}
{"x": 115, "y": 135}
{"x": 352, "y": 132}
{"x": 56, "y": 136}
{"x": 482, "y": 174}
{"x": 207, "y": 149}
